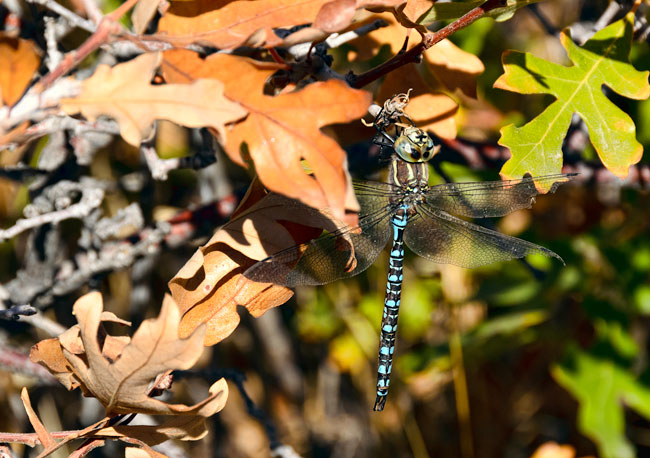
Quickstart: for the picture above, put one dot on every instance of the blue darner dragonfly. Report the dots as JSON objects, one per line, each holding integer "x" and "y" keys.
{"x": 412, "y": 212}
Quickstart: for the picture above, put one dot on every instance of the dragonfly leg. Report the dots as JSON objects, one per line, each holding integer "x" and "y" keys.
{"x": 391, "y": 311}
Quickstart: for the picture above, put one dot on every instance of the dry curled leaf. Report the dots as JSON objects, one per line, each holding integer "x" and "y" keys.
{"x": 49, "y": 353}
{"x": 117, "y": 370}
{"x": 211, "y": 285}
{"x": 19, "y": 60}
{"x": 211, "y": 23}
{"x": 43, "y": 434}
{"x": 336, "y": 15}
{"x": 281, "y": 132}
{"x": 125, "y": 92}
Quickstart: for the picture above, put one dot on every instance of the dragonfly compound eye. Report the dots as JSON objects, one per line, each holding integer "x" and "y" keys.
{"x": 414, "y": 145}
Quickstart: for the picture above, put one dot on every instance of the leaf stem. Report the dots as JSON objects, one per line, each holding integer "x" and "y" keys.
{"x": 428, "y": 40}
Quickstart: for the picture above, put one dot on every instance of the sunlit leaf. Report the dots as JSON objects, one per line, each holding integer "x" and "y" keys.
{"x": 282, "y": 133}
{"x": 603, "y": 60}
{"x": 125, "y": 92}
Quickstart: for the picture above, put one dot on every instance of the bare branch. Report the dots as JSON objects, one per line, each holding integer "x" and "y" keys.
{"x": 56, "y": 205}
{"x": 159, "y": 167}
{"x": 15, "y": 361}
{"x": 14, "y": 313}
{"x": 72, "y": 18}
{"x": 414, "y": 54}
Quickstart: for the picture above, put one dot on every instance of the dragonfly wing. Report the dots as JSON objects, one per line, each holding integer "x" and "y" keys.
{"x": 440, "y": 237}
{"x": 490, "y": 198}
{"x": 330, "y": 256}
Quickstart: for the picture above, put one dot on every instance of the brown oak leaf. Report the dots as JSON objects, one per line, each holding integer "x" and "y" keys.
{"x": 281, "y": 132}
{"x": 118, "y": 370}
{"x": 125, "y": 92}
{"x": 211, "y": 24}
{"x": 211, "y": 284}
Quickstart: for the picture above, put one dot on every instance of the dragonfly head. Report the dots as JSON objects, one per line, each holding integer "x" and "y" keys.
{"x": 414, "y": 145}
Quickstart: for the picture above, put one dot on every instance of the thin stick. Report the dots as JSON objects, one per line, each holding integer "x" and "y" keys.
{"x": 414, "y": 54}
{"x": 460, "y": 387}
{"x": 107, "y": 26}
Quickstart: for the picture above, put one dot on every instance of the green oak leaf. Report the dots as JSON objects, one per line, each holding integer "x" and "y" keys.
{"x": 603, "y": 60}
{"x": 601, "y": 386}
{"x": 454, "y": 10}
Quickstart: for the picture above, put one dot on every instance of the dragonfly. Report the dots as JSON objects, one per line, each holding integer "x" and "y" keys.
{"x": 428, "y": 219}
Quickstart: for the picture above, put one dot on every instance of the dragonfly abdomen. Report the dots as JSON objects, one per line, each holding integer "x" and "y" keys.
{"x": 391, "y": 307}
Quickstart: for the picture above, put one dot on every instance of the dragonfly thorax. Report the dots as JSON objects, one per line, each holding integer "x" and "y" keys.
{"x": 410, "y": 176}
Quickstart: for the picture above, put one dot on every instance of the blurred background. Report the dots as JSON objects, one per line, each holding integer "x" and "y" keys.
{"x": 490, "y": 362}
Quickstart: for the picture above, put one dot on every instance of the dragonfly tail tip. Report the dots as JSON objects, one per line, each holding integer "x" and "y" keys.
{"x": 380, "y": 402}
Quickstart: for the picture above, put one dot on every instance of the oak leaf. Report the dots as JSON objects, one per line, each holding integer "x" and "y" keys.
{"x": 125, "y": 92}
{"x": 19, "y": 60}
{"x": 281, "y": 132}
{"x": 603, "y": 60}
{"x": 211, "y": 23}
{"x": 41, "y": 431}
{"x": 211, "y": 284}
{"x": 118, "y": 370}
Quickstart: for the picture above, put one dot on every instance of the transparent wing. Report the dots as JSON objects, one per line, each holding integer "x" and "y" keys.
{"x": 490, "y": 198}
{"x": 329, "y": 257}
{"x": 443, "y": 238}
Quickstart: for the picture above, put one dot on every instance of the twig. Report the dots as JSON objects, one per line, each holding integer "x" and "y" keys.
{"x": 40, "y": 289}
{"x": 14, "y": 313}
{"x": 543, "y": 20}
{"x": 34, "y": 104}
{"x": 52, "y": 33}
{"x": 58, "y": 123}
{"x": 45, "y": 324}
{"x": 414, "y": 54}
{"x": 127, "y": 217}
{"x": 610, "y": 13}
{"x": 238, "y": 378}
{"x": 280, "y": 353}
{"x": 92, "y": 10}
{"x": 161, "y": 167}
{"x": 16, "y": 362}
{"x": 21, "y": 172}
{"x": 105, "y": 29}
{"x": 74, "y": 19}
{"x": 335, "y": 40}
{"x": 91, "y": 198}
{"x": 101, "y": 34}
